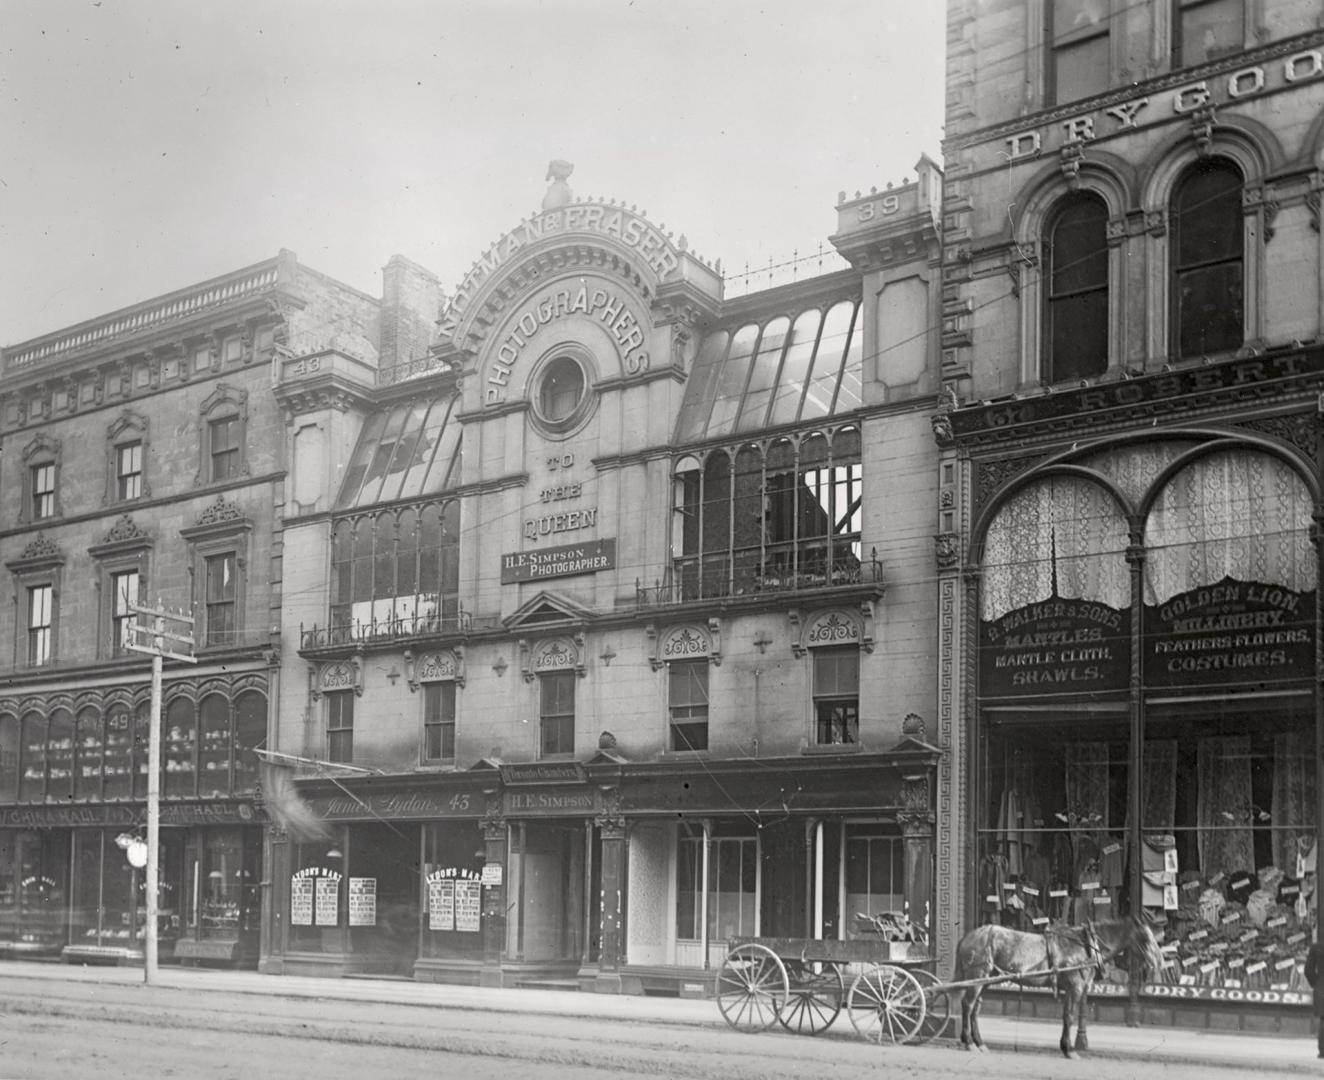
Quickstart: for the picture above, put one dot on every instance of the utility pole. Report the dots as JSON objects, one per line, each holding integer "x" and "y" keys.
{"x": 179, "y": 630}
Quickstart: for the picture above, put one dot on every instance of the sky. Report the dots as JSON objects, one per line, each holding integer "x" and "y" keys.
{"x": 149, "y": 144}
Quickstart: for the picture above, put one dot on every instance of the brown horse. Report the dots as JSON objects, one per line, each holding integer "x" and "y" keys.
{"x": 1072, "y": 955}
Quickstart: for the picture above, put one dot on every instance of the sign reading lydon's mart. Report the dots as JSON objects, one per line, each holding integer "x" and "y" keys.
{"x": 564, "y": 561}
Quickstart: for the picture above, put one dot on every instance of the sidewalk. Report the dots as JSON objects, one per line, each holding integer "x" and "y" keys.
{"x": 1256, "y": 1053}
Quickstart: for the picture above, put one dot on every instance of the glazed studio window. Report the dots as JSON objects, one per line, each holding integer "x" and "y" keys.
{"x": 1079, "y": 57}
{"x": 786, "y": 517}
{"x": 836, "y": 696}
{"x": 1076, "y": 302}
{"x": 396, "y": 573}
{"x": 561, "y": 389}
{"x": 340, "y": 726}
{"x": 1206, "y": 30}
{"x": 1208, "y": 260}
{"x": 556, "y": 713}
{"x": 687, "y": 701}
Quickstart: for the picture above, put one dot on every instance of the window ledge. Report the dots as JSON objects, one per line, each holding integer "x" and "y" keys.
{"x": 830, "y": 749}
{"x": 444, "y": 766}
{"x": 684, "y": 755}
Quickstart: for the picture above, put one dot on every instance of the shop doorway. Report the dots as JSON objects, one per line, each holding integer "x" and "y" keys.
{"x": 549, "y": 878}
{"x": 382, "y": 897}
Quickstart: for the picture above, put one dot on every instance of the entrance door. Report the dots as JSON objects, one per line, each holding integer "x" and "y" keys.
{"x": 548, "y": 884}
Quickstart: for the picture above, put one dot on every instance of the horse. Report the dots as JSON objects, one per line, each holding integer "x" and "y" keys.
{"x": 1071, "y": 955}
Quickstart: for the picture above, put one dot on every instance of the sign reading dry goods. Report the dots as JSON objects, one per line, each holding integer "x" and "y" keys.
{"x": 1054, "y": 647}
{"x": 564, "y": 561}
{"x": 1232, "y": 632}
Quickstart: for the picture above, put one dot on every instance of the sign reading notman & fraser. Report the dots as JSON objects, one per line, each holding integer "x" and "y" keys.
{"x": 564, "y": 561}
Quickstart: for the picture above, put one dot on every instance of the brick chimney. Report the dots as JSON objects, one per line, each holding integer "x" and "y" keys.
{"x": 411, "y": 302}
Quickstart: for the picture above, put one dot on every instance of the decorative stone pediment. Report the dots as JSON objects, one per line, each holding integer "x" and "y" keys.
{"x": 562, "y": 653}
{"x": 442, "y": 665}
{"x": 125, "y": 536}
{"x": 41, "y": 553}
{"x": 548, "y": 609}
{"x": 335, "y": 676}
{"x": 688, "y": 641}
{"x": 218, "y": 518}
{"x": 42, "y": 445}
{"x": 832, "y": 627}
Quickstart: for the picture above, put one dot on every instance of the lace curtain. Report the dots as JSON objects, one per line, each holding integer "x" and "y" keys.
{"x": 1251, "y": 513}
{"x": 1062, "y": 536}
{"x": 1223, "y": 808}
{"x": 1293, "y": 808}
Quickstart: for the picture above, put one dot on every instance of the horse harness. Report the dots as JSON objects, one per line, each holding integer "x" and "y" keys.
{"x": 1054, "y": 942}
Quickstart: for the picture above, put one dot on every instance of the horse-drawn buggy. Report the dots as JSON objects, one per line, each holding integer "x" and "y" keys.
{"x": 889, "y": 992}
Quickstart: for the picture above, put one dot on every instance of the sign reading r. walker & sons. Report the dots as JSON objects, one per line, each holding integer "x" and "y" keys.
{"x": 1056, "y": 646}
{"x": 1231, "y": 632}
{"x": 564, "y": 561}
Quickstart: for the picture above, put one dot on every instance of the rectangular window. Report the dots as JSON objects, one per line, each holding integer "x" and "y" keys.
{"x": 129, "y": 470}
{"x": 222, "y": 596}
{"x": 340, "y": 726}
{"x": 836, "y": 696}
{"x": 40, "y": 623}
{"x": 439, "y": 721}
{"x": 43, "y": 491}
{"x": 687, "y": 683}
{"x": 125, "y": 592}
{"x": 1205, "y": 30}
{"x": 557, "y": 713}
{"x": 1079, "y": 60}
{"x": 732, "y": 885}
{"x": 224, "y": 434}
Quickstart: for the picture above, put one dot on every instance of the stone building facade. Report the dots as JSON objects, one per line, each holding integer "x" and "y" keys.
{"x": 619, "y": 608}
{"x": 143, "y": 461}
{"x": 1130, "y": 485}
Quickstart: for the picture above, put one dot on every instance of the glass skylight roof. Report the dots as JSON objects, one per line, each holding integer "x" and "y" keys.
{"x": 782, "y": 371}
{"x": 409, "y": 450}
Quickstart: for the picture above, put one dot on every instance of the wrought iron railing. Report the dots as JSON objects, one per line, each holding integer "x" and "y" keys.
{"x": 402, "y": 628}
{"x": 726, "y": 577}
{"x": 411, "y": 369}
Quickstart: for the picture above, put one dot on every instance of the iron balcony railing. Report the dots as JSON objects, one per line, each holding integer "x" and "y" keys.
{"x": 401, "y": 628}
{"x": 745, "y": 574}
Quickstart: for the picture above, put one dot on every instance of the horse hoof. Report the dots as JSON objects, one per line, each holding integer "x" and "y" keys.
{"x": 1071, "y": 1055}
{"x": 982, "y": 1048}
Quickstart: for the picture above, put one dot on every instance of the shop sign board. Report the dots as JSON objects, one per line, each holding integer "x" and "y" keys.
{"x": 172, "y": 813}
{"x": 492, "y": 874}
{"x": 1057, "y": 646}
{"x": 1231, "y": 632}
{"x": 362, "y": 901}
{"x": 549, "y": 802}
{"x": 544, "y": 772}
{"x": 567, "y": 560}
{"x": 341, "y": 807}
{"x": 1237, "y": 994}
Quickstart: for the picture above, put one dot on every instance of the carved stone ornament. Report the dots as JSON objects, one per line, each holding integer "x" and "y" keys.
{"x": 942, "y": 430}
{"x": 220, "y": 511}
{"x": 337, "y": 676}
{"x": 41, "y": 547}
{"x": 946, "y": 551}
{"x": 913, "y": 726}
{"x": 688, "y": 642}
{"x": 828, "y": 628}
{"x": 124, "y": 530}
{"x": 444, "y": 665}
{"x": 553, "y": 654}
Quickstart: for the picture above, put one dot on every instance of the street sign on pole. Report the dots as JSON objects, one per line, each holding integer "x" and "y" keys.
{"x": 165, "y": 626}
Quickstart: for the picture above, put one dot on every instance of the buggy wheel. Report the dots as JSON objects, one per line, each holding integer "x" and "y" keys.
{"x": 752, "y": 988}
{"x": 815, "y": 997}
{"x": 937, "y": 1007}
{"x": 886, "y": 1005}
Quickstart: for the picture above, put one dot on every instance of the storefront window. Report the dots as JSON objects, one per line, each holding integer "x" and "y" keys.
{"x": 732, "y": 882}
{"x": 316, "y": 895}
{"x": 34, "y": 874}
{"x": 119, "y": 753}
{"x": 250, "y": 734}
{"x": 9, "y": 757}
{"x": 452, "y": 870}
{"x": 221, "y": 887}
{"x": 32, "y": 785}
{"x": 89, "y": 751}
{"x": 1227, "y": 777}
{"x": 382, "y": 893}
{"x": 875, "y": 875}
{"x": 179, "y": 749}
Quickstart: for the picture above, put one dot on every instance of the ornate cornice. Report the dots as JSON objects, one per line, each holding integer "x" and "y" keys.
{"x": 41, "y": 553}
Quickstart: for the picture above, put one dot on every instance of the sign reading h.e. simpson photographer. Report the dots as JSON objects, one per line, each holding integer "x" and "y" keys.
{"x": 564, "y": 561}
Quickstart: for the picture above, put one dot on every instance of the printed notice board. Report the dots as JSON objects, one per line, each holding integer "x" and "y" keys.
{"x": 362, "y": 901}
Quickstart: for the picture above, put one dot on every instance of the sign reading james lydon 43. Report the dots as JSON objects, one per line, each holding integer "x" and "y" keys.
{"x": 564, "y": 561}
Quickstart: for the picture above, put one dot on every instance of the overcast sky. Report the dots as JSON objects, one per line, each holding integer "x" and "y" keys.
{"x": 145, "y": 146}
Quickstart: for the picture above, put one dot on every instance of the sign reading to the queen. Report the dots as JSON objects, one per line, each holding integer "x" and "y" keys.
{"x": 1231, "y": 632}
{"x": 1057, "y": 646}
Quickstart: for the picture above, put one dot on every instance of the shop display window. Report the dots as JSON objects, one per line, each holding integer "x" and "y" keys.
{"x": 382, "y": 892}
{"x": 179, "y": 749}
{"x": 221, "y": 883}
{"x": 63, "y": 754}
{"x": 732, "y": 881}
{"x": 874, "y": 879}
{"x": 452, "y": 871}
{"x": 9, "y": 757}
{"x": 89, "y": 751}
{"x": 250, "y": 733}
{"x": 317, "y": 895}
{"x": 214, "y": 746}
{"x": 32, "y": 763}
{"x": 34, "y": 874}
{"x": 118, "y": 767}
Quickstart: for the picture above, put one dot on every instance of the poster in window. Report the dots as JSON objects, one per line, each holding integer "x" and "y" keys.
{"x": 468, "y": 906}
{"x": 362, "y": 901}
{"x": 328, "y": 901}
{"x": 441, "y": 903}
{"x": 301, "y": 901}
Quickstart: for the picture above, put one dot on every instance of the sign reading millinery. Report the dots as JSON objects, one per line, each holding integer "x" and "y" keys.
{"x": 564, "y": 561}
{"x": 362, "y": 901}
{"x": 468, "y": 906}
{"x": 1232, "y": 632}
{"x": 1055, "y": 647}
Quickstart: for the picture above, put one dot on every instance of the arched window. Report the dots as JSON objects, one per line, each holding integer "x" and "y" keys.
{"x": 8, "y": 758}
{"x": 1076, "y": 277}
{"x": 1207, "y": 261}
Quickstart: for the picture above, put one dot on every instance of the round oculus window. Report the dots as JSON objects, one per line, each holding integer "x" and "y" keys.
{"x": 561, "y": 390}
